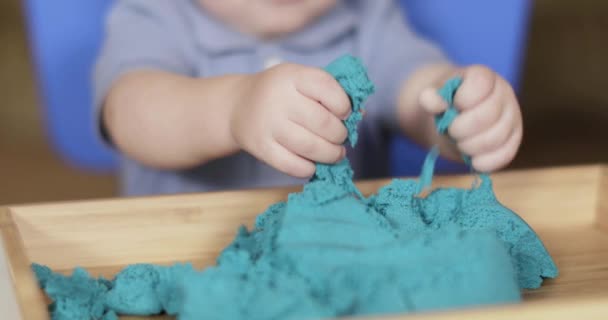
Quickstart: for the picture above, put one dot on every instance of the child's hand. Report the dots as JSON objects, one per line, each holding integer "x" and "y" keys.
{"x": 489, "y": 127}
{"x": 290, "y": 116}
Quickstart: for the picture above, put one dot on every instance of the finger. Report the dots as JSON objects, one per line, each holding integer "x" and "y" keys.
{"x": 287, "y": 162}
{"x": 431, "y": 101}
{"x": 478, "y": 84}
{"x": 319, "y": 120}
{"x": 478, "y": 119}
{"x": 320, "y": 86}
{"x": 308, "y": 145}
{"x": 493, "y": 138}
{"x": 502, "y": 157}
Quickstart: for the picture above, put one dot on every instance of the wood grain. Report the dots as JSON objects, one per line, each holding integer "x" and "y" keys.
{"x": 602, "y": 207}
{"x": 564, "y": 205}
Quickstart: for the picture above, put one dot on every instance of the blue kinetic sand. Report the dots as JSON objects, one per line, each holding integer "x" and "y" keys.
{"x": 329, "y": 251}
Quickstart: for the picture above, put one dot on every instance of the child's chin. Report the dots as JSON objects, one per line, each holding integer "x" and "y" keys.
{"x": 281, "y": 27}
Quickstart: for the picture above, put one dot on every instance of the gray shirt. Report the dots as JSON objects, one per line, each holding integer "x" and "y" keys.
{"x": 178, "y": 36}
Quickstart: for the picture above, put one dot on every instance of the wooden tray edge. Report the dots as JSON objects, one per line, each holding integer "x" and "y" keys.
{"x": 365, "y": 185}
{"x": 556, "y": 309}
{"x": 30, "y": 298}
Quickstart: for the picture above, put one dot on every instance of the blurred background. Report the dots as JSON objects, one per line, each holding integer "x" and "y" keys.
{"x": 563, "y": 99}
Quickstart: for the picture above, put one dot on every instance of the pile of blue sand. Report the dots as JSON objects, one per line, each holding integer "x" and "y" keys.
{"x": 329, "y": 251}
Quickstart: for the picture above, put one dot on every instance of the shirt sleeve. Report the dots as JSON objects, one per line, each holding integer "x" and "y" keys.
{"x": 139, "y": 34}
{"x": 395, "y": 51}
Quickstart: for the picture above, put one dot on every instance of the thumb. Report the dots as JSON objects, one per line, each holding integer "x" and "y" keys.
{"x": 431, "y": 101}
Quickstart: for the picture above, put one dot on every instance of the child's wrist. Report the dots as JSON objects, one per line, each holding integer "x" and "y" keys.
{"x": 218, "y": 109}
{"x": 235, "y": 101}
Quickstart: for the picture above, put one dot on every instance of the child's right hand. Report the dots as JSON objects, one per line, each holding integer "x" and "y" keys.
{"x": 290, "y": 116}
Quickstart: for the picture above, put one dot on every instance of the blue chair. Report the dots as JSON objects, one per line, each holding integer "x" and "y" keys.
{"x": 492, "y": 33}
{"x": 65, "y": 36}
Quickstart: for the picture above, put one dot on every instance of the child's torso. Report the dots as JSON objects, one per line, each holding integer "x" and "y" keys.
{"x": 214, "y": 49}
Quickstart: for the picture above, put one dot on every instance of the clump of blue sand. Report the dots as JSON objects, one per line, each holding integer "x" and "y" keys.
{"x": 329, "y": 251}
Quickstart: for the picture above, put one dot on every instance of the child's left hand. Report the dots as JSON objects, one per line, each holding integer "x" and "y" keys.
{"x": 489, "y": 127}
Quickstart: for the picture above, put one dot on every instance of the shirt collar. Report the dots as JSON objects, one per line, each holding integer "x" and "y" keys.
{"x": 217, "y": 38}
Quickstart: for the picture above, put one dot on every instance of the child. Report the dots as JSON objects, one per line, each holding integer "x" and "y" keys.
{"x": 206, "y": 95}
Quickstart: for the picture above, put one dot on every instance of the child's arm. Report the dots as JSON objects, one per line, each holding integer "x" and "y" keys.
{"x": 489, "y": 127}
{"x": 156, "y": 109}
{"x": 170, "y": 121}
{"x": 287, "y": 116}
{"x": 409, "y": 70}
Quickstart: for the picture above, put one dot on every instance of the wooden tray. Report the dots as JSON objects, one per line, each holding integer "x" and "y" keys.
{"x": 568, "y": 207}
